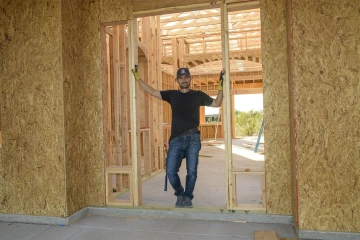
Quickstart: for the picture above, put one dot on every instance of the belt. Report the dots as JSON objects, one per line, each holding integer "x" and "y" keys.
{"x": 187, "y": 132}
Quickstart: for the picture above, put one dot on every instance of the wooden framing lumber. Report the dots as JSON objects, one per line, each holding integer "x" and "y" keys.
{"x": 234, "y": 5}
{"x": 174, "y": 55}
{"x": 135, "y": 130}
{"x": 117, "y": 102}
{"x": 108, "y": 106}
{"x": 159, "y": 86}
{"x": 144, "y": 71}
{"x": 119, "y": 169}
{"x": 266, "y": 235}
{"x": 226, "y": 104}
{"x": 249, "y": 208}
{"x": 105, "y": 62}
{"x": 141, "y": 10}
{"x": 145, "y": 133}
{"x": 145, "y": 123}
{"x": 233, "y": 132}
{"x": 124, "y": 95}
{"x": 154, "y": 126}
{"x": 151, "y": 82}
{"x": 247, "y": 171}
{"x": 110, "y": 200}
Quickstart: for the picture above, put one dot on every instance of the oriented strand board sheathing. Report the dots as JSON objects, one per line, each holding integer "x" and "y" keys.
{"x": 86, "y": 144}
{"x": 31, "y": 98}
{"x": 75, "y": 140}
{"x": 276, "y": 107}
{"x": 326, "y": 45}
{"x": 115, "y": 10}
{"x": 83, "y": 97}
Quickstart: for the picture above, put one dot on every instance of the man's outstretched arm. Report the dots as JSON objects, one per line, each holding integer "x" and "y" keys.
{"x": 144, "y": 85}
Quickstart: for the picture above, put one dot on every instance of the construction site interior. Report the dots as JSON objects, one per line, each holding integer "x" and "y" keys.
{"x": 77, "y": 132}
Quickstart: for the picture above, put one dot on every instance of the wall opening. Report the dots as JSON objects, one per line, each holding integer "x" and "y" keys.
{"x": 166, "y": 42}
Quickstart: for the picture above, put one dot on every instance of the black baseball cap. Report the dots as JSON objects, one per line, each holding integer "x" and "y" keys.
{"x": 182, "y": 71}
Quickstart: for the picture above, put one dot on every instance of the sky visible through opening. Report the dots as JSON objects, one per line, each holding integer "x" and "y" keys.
{"x": 244, "y": 103}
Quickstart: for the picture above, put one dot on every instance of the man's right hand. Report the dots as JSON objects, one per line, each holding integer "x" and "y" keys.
{"x": 136, "y": 73}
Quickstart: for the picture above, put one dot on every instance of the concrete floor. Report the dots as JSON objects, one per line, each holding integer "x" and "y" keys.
{"x": 109, "y": 227}
{"x": 210, "y": 186}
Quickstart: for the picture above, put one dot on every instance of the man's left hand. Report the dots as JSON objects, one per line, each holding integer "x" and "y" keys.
{"x": 136, "y": 73}
{"x": 221, "y": 80}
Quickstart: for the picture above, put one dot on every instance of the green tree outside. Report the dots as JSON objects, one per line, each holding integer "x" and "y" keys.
{"x": 248, "y": 123}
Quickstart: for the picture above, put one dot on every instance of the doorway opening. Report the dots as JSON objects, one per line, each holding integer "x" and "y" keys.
{"x": 191, "y": 39}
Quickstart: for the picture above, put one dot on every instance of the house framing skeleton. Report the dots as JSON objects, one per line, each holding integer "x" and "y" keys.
{"x": 193, "y": 39}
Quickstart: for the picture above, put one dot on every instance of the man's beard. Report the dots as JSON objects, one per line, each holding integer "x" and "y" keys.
{"x": 184, "y": 86}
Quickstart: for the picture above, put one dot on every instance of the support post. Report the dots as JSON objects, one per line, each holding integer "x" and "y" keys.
{"x": 135, "y": 129}
{"x": 227, "y": 104}
{"x": 117, "y": 102}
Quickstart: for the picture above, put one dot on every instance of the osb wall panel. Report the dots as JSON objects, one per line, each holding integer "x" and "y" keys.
{"x": 276, "y": 107}
{"x": 32, "y": 154}
{"x": 326, "y": 77}
{"x": 74, "y": 110}
{"x": 83, "y": 104}
{"x": 83, "y": 98}
{"x": 115, "y": 10}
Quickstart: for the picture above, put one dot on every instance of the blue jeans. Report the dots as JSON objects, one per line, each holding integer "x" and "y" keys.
{"x": 188, "y": 147}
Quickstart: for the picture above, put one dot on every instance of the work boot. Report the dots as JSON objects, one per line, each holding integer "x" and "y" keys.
{"x": 187, "y": 202}
{"x": 179, "y": 201}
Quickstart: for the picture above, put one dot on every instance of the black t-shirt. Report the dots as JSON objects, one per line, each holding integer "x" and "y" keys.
{"x": 185, "y": 109}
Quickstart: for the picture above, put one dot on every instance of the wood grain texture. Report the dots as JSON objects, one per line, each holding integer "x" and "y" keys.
{"x": 32, "y": 157}
{"x": 144, "y": 5}
{"x": 326, "y": 91}
{"x": 266, "y": 235}
{"x": 276, "y": 107}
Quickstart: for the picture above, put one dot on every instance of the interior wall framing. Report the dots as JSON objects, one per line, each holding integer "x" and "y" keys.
{"x": 146, "y": 6}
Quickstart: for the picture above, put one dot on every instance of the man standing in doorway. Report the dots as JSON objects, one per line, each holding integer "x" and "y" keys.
{"x": 185, "y": 137}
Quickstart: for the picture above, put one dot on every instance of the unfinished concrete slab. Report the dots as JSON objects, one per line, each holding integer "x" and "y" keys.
{"x": 116, "y": 227}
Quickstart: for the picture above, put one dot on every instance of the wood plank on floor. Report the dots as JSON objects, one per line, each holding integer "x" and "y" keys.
{"x": 266, "y": 235}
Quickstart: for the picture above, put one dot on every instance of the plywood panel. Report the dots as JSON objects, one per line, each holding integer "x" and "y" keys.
{"x": 276, "y": 107}
{"x": 115, "y": 10}
{"x": 74, "y": 109}
{"x": 90, "y": 147}
{"x": 32, "y": 154}
{"x": 326, "y": 88}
